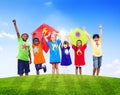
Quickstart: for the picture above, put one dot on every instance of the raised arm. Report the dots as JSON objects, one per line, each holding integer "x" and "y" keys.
{"x": 58, "y": 35}
{"x": 46, "y": 37}
{"x": 17, "y": 31}
{"x": 100, "y": 27}
{"x": 87, "y": 35}
{"x": 69, "y": 41}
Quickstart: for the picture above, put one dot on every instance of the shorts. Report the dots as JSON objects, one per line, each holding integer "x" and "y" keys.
{"x": 23, "y": 67}
{"x": 97, "y": 61}
{"x": 38, "y": 67}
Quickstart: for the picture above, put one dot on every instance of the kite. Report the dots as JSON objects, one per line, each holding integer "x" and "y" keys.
{"x": 43, "y": 29}
{"x": 77, "y": 34}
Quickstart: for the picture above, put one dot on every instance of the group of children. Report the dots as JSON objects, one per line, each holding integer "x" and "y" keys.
{"x": 24, "y": 55}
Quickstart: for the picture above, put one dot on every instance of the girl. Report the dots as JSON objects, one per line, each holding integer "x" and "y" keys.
{"x": 79, "y": 56}
{"x": 54, "y": 52}
{"x": 66, "y": 59}
{"x": 38, "y": 55}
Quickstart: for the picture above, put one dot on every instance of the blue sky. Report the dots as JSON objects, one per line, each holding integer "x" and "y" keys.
{"x": 63, "y": 15}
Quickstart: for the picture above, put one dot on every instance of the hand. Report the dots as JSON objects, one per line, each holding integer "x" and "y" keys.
{"x": 30, "y": 62}
{"x": 48, "y": 34}
{"x": 14, "y": 21}
{"x": 84, "y": 28}
{"x": 100, "y": 26}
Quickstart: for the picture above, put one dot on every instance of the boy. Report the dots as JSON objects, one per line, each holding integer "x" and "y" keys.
{"x": 24, "y": 55}
{"x": 96, "y": 51}
{"x": 38, "y": 55}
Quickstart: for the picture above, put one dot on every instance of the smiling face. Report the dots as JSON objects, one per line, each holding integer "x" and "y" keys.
{"x": 24, "y": 36}
{"x": 79, "y": 43}
{"x": 96, "y": 37}
{"x": 36, "y": 41}
{"x": 53, "y": 38}
{"x": 65, "y": 45}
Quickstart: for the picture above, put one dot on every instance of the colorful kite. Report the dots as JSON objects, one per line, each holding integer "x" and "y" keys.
{"x": 46, "y": 29}
{"x": 77, "y": 34}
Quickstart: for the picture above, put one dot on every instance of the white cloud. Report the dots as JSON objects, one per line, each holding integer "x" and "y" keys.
{"x": 48, "y": 4}
{"x": 1, "y": 49}
{"x": 114, "y": 63}
{"x": 4, "y": 24}
{"x": 7, "y": 35}
{"x": 113, "y": 68}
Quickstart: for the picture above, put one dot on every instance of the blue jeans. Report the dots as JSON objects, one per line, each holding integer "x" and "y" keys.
{"x": 38, "y": 67}
{"x": 97, "y": 61}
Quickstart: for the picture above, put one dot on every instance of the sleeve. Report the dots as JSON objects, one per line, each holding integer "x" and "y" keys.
{"x": 19, "y": 39}
{"x": 29, "y": 47}
{"x": 61, "y": 47}
{"x": 41, "y": 45}
{"x": 84, "y": 46}
{"x": 74, "y": 47}
{"x": 48, "y": 43}
{"x": 68, "y": 47}
{"x": 58, "y": 41}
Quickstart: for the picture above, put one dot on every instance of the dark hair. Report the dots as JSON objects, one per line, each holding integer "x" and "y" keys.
{"x": 24, "y": 34}
{"x": 35, "y": 39}
{"x": 65, "y": 42}
{"x": 96, "y": 36}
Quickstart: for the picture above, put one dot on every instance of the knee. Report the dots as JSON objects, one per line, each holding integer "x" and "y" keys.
{"x": 76, "y": 68}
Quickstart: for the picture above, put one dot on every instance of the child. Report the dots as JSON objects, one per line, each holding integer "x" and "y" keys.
{"x": 54, "y": 52}
{"x": 24, "y": 55}
{"x": 79, "y": 56}
{"x": 38, "y": 55}
{"x": 66, "y": 59}
{"x": 96, "y": 51}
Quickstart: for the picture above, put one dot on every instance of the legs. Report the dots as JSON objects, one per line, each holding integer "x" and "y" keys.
{"x": 80, "y": 70}
{"x": 23, "y": 67}
{"x": 55, "y": 68}
{"x": 96, "y": 64}
{"x": 76, "y": 71}
{"x": 38, "y": 67}
{"x": 96, "y": 71}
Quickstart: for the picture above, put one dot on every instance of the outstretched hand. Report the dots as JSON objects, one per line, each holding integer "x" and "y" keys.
{"x": 100, "y": 26}
{"x": 14, "y": 21}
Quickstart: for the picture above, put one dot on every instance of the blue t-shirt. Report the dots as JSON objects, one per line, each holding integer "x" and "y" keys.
{"x": 54, "y": 51}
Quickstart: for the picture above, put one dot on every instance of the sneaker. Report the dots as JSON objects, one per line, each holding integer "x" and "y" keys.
{"x": 44, "y": 68}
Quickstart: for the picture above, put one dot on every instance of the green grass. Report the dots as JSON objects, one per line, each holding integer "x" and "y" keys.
{"x": 59, "y": 85}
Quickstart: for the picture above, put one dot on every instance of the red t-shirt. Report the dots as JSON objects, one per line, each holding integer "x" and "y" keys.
{"x": 79, "y": 55}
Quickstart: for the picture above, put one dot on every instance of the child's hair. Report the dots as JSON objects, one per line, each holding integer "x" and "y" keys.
{"x": 96, "y": 36}
{"x": 24, "y": 34}
{"x": 77, "y": 41}
{"x": 35, "y": 39}
{"x": 66, "y": 42}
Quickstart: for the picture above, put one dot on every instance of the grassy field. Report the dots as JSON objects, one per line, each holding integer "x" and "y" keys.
{"x": 59, "y": 85}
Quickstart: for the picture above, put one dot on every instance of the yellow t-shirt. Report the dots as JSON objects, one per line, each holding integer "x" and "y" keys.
{"x": 96, "y": 48}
